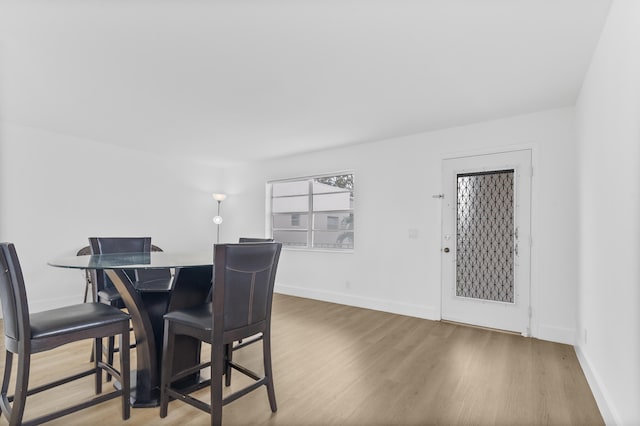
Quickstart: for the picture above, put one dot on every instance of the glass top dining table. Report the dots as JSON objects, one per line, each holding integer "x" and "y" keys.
{"x": 152, "y": 260}
{"x": 191, "y": 286}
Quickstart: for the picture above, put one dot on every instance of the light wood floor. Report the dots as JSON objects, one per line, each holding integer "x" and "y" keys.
{"x": 338, "y": 365}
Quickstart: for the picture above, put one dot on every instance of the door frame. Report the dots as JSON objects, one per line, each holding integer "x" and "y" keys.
{"x": 533, "y": 288}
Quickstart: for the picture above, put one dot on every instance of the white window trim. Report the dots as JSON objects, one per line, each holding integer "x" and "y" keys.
{"x": 269, "y": 212}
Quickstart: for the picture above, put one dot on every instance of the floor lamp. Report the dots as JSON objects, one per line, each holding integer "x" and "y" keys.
{"x": 217, "y": 219}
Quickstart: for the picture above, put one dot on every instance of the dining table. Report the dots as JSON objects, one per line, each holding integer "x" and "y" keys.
{"x": 191, "y": 286}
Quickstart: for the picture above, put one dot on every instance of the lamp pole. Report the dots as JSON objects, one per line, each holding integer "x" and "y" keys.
{"x": 217, "y": 219}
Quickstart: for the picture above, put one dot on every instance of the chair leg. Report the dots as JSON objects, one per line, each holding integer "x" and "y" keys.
{"x": 111, "y": 346}
{"x": 114, "y": 349}
{"x": 268, "y": 371}
{"x": 125, "y": 371}
{"x": 227, "y": 366}
{"x": 8, "y": 365}
{"x": 22, "y": 385}
{"x": 218, "y": 367}
{"x": 216, "y": 401}
{"x": 167, "y": 367}
{"x": 97, "y": 351}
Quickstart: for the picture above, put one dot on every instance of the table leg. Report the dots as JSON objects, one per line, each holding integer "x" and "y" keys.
{"x": 191, "y": 287}
{"x": 147, "y": 378}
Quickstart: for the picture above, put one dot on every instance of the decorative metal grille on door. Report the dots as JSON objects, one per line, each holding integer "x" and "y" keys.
{"x": 485, "y": 236}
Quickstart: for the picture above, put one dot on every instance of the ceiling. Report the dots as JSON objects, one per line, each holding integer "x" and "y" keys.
{"x": 230, "y": 81}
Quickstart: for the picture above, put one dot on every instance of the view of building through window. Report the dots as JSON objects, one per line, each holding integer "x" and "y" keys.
{"x": 315, "y": 212}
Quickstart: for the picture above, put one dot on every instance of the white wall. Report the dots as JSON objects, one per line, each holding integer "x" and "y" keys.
{"x": 57, "y": 190}
{"x": 608, "y": 112}
{"x": 395, "y": 180}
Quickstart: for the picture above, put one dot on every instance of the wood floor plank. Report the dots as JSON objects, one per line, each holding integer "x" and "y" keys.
{"x": 340, "y": 365}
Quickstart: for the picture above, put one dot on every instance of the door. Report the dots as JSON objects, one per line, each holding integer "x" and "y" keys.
{"x": 486, "y": 244}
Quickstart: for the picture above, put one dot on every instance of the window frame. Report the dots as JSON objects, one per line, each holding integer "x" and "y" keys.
{"x": 310, "y": 212}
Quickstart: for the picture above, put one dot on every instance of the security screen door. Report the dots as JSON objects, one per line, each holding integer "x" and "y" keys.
{"x": 486, "y": 240}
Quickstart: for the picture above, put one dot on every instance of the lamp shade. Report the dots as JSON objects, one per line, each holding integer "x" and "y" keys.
{"x": 219, "y": 197}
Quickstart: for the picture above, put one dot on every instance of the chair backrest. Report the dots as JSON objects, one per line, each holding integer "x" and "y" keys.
{"x": 84, "y": 251}
{"x": 244, "y": 276}
{"x": 14, "y": 296}
{"x": 108, "y": 245}
{"x": 254, "y": 240}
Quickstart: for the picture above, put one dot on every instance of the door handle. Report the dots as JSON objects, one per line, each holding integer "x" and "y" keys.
{"x": 446, "y": 250}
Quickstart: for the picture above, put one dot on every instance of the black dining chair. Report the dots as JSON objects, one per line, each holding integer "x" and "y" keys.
{"x": 27, "y": 334}
{"x": 152, "y": 280}
{"x": 107, "y": 293}
{"x": 252, "y": 339}
{"x": 244, "y": 277}
{"x": 145, "y": 280}
{"x": 148, "y": 279}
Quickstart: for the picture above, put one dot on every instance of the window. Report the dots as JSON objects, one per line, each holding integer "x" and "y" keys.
{"x": 315, "y": 212}
{"x": 332, "y": 222}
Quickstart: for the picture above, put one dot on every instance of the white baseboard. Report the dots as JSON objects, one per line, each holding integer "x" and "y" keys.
{"x": 557, "y": 334}
{"x": 418, "y": 311}
{"x": 609, "y": 414}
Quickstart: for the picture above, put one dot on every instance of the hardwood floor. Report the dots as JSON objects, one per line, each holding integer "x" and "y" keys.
{"x": 338, "y": 365}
